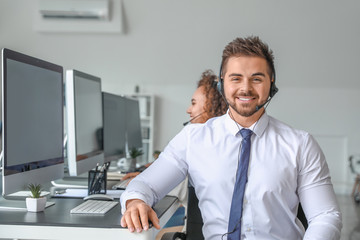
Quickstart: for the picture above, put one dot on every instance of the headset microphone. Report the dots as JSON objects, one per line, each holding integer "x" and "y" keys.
{"x": 186, "y": 123}
{"x": 273, "y": 91}
{"x": 261, "y": 105}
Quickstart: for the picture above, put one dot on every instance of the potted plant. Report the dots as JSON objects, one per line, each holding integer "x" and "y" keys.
{"x": 134, "y": 153}
{"x": 35, "y": 203}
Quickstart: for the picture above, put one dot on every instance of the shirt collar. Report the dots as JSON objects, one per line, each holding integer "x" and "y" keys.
{"x": 258, "y": 127}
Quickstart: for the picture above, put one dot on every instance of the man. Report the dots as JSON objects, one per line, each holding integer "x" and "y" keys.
{"x": 286, "y": 166}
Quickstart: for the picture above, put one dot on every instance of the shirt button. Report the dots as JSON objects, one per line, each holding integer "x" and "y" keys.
{"x": 248, "y": 229}
{"x": 245, "y": 201}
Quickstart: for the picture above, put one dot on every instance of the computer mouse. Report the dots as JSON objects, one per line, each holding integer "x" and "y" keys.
{"x": 103, "y": 197}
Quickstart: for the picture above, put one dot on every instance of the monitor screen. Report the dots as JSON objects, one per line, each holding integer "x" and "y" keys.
{"x": 84, "y": 122}
{"x": 133, "y": 124}
{"x": 114, "y": 127}
{"x": 32, "y": 119}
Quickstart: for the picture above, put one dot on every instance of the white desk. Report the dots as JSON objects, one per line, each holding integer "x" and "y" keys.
{"x": 56, "y": 222}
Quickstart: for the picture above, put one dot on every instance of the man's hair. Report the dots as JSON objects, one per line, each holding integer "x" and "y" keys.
{"x": 250, "y": 47}
{"x": 215, "y": 105}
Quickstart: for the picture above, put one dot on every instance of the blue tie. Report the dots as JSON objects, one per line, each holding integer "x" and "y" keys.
{"x": 234, "y": 227}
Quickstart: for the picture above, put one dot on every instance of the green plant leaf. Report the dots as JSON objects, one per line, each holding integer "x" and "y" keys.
{"x": 134, "y": 152}
{"x": 35, "y": 190}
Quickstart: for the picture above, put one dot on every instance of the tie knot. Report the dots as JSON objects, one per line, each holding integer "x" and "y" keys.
{"x": 245, "y": 133}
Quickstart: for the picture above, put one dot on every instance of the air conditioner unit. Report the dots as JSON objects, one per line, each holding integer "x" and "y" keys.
{"x": 74, "y": 9}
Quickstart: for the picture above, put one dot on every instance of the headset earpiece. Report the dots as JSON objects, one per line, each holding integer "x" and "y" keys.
{"x": 220, "y": 81}
{"x": 219, "y": 86}
{"x": 273, "y": 89}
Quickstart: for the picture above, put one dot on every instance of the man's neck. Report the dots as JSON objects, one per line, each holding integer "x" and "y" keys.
{"x": 246, "y": 122}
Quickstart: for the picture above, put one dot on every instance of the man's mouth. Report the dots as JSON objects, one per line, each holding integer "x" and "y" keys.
{"x": 246, "y": 99}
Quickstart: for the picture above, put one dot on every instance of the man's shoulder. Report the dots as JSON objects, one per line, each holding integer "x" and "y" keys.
{"x": 282, "y": 127}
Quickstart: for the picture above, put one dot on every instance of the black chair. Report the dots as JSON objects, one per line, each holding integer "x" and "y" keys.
{"x": 195, "y": 223}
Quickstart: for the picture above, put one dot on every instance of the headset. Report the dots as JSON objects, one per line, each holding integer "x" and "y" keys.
{"x": 273, "y": 88}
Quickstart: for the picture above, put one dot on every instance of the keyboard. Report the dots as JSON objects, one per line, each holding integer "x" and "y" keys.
{"x": 94, "y": 207}
{"x": 122, "y": 184}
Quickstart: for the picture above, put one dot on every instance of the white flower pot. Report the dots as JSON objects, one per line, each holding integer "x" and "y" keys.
{"x": 35, "y": 204}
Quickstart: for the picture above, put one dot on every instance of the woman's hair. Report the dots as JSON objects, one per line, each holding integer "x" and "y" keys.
{"x": 215, "y": 104}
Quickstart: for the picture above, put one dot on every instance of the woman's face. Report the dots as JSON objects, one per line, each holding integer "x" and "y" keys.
{"x": 197, "y": 106}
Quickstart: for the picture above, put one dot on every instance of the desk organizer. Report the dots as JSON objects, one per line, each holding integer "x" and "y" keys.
{"x": 97, "y": 182}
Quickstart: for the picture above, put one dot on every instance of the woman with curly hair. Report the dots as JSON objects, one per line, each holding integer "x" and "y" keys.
{"x": 206, "y": 101}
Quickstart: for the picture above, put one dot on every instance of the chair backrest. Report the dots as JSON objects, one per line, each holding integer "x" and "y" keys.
{"x": 195, "y": 222}
{"x": 194, "y": 219}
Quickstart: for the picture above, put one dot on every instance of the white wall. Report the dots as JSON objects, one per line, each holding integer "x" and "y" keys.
{"x": 167, "y": 44}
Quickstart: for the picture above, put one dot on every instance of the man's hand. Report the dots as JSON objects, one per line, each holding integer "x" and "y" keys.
{"x": 137, "y": 216}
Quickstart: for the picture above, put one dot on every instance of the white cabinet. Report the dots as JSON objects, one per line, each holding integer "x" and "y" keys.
{"x": 146, "y": 108}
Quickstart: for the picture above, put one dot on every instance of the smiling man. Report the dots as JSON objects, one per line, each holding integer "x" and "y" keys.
{"x": 249, "y": 170}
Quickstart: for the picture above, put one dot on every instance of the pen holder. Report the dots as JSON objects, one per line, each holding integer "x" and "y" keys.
{"x": 97, "y": 182}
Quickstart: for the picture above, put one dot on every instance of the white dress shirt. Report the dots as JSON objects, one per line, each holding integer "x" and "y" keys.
{"x": 286, "y": 166}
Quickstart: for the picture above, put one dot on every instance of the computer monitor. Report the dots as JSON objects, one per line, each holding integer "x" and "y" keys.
{"x": 32, "y": 121}
{"x": 133, "y": 124}
{"x": 84, "y": 122}
{"x": 114, "y": 133}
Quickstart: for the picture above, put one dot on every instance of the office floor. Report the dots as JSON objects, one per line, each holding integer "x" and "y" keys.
{"x": 351, "y": 219}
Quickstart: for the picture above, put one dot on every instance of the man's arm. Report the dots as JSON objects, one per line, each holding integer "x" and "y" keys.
{"x": 152, "y": 185}
{"x": 323, "y": 214}
{"x": 316, "y": 194}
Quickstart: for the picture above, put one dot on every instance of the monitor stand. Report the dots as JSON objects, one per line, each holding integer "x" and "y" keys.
{"x": 16, "y": 201}
{"x": 77, "y": 185}
{"x": 68, "y": 181}
{"x": 22, "y": 195}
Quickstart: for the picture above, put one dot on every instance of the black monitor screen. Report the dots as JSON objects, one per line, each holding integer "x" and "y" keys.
{"x": 133, "y": 124}
{"x": 84, "y": 122}
{"x": 32, "y": 119}
{"x": 114, "y": 132}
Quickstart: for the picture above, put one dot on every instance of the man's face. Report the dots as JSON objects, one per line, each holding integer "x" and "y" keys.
{"x": 246, "y": 84}
{"x": 197, "y": 106}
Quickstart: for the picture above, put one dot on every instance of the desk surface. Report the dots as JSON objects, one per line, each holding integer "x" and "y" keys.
{"x": 45, "y": 225}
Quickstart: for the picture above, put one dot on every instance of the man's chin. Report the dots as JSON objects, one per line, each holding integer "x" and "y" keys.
{"x": 245, "y": 112}
{"x": 248, "y": 113}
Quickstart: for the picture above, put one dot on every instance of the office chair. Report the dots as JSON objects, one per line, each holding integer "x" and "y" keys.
{"x": 194, "y": 220}
{"x": 195, "y": 223}
{"x": 354, "y": 163}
